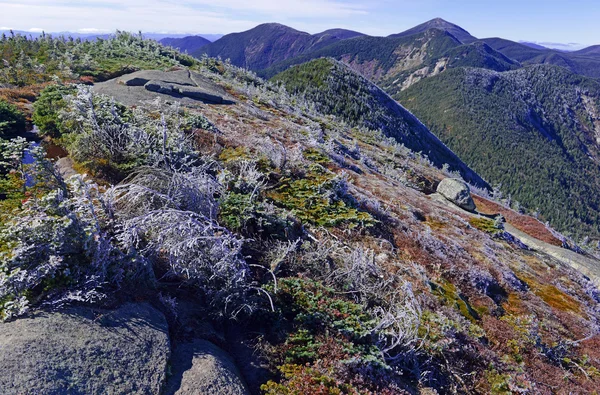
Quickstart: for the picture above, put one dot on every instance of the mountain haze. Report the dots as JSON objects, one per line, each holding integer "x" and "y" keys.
{"x": 585, "y": 62}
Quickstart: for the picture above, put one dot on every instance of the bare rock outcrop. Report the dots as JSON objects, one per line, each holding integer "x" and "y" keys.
{"x": 81, "y": 350}
{"x": 200, "y": 367}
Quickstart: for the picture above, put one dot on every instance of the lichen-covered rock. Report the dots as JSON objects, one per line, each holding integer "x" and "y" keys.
{"x": 458, "y": 192}
{"x": 85, "y": 351}
{"x": 200, "y": 368}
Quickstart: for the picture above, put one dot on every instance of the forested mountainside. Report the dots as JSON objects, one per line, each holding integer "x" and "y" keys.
{"x": 397, "y": 63}
{"x": 333, "y": 88}
{"x": 535, "y": 130}
{"x": 270, "y": 43}
{"x": 379, "y": 58}
{"x": 585, "y": 62}
{"x": 313, "y": 251}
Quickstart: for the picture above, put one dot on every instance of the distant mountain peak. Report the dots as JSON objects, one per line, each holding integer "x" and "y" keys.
{"x": 438, "y": 23}
{"x": 269, "y": 43}
{"x": 276, "y": 26}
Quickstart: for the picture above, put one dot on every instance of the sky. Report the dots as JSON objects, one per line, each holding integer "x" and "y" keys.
{"x": 573, "y": 22}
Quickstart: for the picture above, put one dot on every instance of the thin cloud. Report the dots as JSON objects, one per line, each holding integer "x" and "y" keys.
{"x": 168, "y": 15}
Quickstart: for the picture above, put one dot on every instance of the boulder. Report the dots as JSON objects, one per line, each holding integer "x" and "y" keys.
{"x": 200, "y": 367}
{"x": 65, "y": 167}
{"x": 85, "y": 351}
{"x": 169, "y": 88}
{"x": 458, "y": 192}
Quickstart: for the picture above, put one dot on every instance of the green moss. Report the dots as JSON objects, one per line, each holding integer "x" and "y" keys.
{"x": 499, "y": 383}
{"x": 316, "y": 156}
{"x": 302, "y": 347}
{"x": 314, "y": 199}
{"x": 485, "y": 225}
{"x": 450, "y": 295}
{"x": 300, "y": 379}
{"x": 553, "y": 296}
{"x": 232, "y": 154}
{"x": 235, "y": 209}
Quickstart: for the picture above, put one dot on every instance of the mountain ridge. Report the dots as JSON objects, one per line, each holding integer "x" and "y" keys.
{"x": 329, "y": 83}
{"x": 186, "y": 44}
{"x": 269, "y": 43}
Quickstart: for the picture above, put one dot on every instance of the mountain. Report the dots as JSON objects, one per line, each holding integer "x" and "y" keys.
{"x": 535, "y": 131}
{"x": 438, "y": 23}
{"x": 394, "y": 62}
{"x": 187, "y": 44}
{"x": 397, "y": 62}
{"x": 266, "y": 44}
{"x": 585, "y": 62}
{"x": 338, "y": 90}
{"x": 594, "y": 50}
{"x": 378, "y": 57}
{"x": 275, "y": 241}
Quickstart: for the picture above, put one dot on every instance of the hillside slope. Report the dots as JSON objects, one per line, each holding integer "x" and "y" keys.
{"x": 335, "y": 89}
{"x": 314, "y": 253}
{"x": 535, "y": 130}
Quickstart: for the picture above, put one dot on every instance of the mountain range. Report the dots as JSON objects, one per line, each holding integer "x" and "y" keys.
{"x": 436, "y": 68}
{"x": 186, "y": 226}
{"x": 94, "y": 36}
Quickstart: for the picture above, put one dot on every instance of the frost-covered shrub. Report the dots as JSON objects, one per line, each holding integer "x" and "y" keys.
{"x": 56, "y": 245}
{"x": 148, "y": 189}
{"x": 387, "y": 298}
{"x": 193, "y": 246}
{"x": 169, "y": 218}
{"x": 107, "y": 134}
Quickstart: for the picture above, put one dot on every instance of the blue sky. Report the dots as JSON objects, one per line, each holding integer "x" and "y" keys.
{"x": 574, "y": 21}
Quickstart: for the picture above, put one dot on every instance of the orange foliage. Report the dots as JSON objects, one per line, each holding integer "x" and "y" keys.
{"x": 524, "y": 223}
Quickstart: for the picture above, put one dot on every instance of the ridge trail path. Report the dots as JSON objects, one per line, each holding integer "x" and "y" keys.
{"x": 588, "y": 266}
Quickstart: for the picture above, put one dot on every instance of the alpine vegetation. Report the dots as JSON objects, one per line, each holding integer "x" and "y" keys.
{"x": 287, "y": 238}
